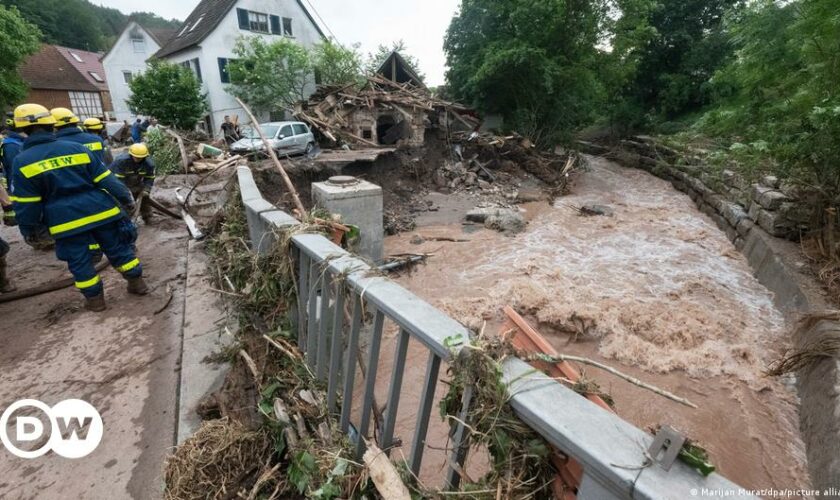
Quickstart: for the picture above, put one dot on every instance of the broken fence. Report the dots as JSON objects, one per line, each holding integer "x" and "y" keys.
{"x": 612, "y": 452}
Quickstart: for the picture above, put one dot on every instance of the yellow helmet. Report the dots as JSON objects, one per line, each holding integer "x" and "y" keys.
{"x": 64, "y": 116}
{"x": 138, "y": 150}
{"x": 93, "y": 124}
{"x": 27, "y": 115}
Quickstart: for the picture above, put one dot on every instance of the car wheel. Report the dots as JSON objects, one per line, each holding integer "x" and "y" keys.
{"x": 309, "y": 148}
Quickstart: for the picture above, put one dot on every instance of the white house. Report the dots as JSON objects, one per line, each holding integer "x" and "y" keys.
{"x": 127, "y": 58}
{"x": 206, "y": 40}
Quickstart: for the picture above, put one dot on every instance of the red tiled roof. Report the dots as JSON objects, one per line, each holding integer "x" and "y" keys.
{"x": 49, "y": 69}
{"x": 89, "y": 64}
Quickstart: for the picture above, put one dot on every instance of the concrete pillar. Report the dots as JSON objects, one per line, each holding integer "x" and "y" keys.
{"x": 358, "y": 203}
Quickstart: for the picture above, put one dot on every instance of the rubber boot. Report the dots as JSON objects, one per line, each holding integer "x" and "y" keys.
{"x": 95, "y": 304}
{"x": 136, "y": 286}
{"x": 6, "y": 284}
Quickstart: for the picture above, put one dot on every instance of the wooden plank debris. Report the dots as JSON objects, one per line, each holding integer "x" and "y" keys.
{"x": 328, "y": 108}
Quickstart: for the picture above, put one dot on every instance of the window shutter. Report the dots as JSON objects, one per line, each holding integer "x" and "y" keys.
{"x": 242, "y": 14}
{"x": 198, "y": 70}
{"x": 275, "y": 25}
{"x": 223, "y": 70}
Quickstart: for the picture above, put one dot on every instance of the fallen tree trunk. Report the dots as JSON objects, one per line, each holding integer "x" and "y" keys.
{"x": 273, "y": 155}
{"x": 45, "y": 288}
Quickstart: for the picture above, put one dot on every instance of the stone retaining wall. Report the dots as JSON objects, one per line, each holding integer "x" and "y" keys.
{"x": 755, "y": 217}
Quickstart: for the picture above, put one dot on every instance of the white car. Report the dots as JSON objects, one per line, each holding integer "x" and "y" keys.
{"x": 286, "y": 138}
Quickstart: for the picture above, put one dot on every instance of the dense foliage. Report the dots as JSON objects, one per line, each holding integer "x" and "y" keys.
{"x": 780, "y": 96}
{"x": 80, "y": 24}
{"x": 688, "y": 44}
{"x": 534, "y": 62}
{"x": 270, "y": 76}
{"x": 335, "y": 64}
{"x": 169, "y": 92}
{"x": 18, "y": 39}
{"x": 273, "y": 76}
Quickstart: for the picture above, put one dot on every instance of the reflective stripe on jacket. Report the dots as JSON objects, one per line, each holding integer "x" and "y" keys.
{"x": 134, "y": 174}
{"x": 63, "y": 186}
{"x": 93, "y": 142}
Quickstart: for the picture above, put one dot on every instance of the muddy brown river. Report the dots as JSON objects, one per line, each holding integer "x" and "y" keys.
{"x": 656, "y": 291}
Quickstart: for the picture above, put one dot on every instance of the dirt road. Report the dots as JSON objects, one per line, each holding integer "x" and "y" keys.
{"x": 124, "y": 362}
{"x": 657, "y": 291}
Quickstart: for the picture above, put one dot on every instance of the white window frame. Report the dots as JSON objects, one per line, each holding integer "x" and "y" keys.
{"x": 76, "y": 56}
{"x": 256, "y": 20}
{"x": 139, "y": 45}
{"x": 86, "y": 104}
{"x": 128, "y": 76}
{"x": 96, "y": 76}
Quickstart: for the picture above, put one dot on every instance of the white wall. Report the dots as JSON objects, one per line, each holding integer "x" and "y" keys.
{"x": 221, "y": 41}
{"x": 122, "y": 57}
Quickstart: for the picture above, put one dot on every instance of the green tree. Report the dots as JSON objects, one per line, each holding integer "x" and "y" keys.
{"x": 18, "y": 39}
{"x": 675, "y": 64}
{"x": 782, "y": 90}
{"x": 335, "y": 64}
{"x": 535, "y": 62}
{"x": 70, "y": 23}
{"x": 270, "y": 76}
{"x": 169, "y": 92}
{"x": 81, "y": 25}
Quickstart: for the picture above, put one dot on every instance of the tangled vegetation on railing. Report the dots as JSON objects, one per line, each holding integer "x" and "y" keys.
{"x": 272, "y": 436}
{"x": 520, "y": 459}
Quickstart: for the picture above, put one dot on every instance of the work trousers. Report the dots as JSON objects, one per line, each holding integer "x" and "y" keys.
{"x": 145, "y": 208}
{"x": 116, "y": 241}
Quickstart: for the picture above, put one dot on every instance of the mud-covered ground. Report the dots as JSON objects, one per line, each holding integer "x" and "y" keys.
{"x": 657, "y": 291}
{"x": 408, "y": 177}
{"x": 123, "y": 361}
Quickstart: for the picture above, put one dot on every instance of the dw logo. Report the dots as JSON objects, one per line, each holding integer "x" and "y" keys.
{"x": 75, "y": 428}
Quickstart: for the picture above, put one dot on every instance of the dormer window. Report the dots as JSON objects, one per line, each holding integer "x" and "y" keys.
{"x": 139, "y": 44}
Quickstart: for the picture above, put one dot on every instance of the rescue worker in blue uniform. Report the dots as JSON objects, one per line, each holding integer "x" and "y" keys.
{"x": 94, "y": 126}
{"x": 9, "y": 149}
{"x": 62, "y": 185}
{"x": 67, "y": 128}
{"x": 137, "y": 171}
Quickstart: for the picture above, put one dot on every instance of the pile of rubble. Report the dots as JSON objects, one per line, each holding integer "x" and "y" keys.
{"x": 515, "y": 152}
{"x": 381, "y": 112}
{"x": 492, "y": 165}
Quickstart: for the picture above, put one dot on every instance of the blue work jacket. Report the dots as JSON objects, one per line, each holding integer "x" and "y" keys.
{"x": 60, "y": 185}
{"x": 93, "y": 142}
{"x": 134, "y": 174}
{"x": 9, "y": 150}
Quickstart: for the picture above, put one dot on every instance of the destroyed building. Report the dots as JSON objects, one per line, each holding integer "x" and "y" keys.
{"x": 394, "y": 107}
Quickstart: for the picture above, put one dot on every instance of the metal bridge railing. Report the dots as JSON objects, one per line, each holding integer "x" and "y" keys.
{"x": 340, "y": 299}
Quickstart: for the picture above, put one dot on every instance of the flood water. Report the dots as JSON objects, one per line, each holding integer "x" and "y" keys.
{"x": 656, "y": 291}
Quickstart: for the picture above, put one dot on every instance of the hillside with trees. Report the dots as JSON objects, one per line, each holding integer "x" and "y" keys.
{"x": 80, "y": 24}
{"x": 754, "y": 80}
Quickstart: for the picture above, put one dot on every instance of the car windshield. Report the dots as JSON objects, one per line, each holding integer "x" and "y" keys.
{"x": 268, "y": 130}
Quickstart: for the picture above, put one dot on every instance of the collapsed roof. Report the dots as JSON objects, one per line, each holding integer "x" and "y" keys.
{"x": 336, "y": 112}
